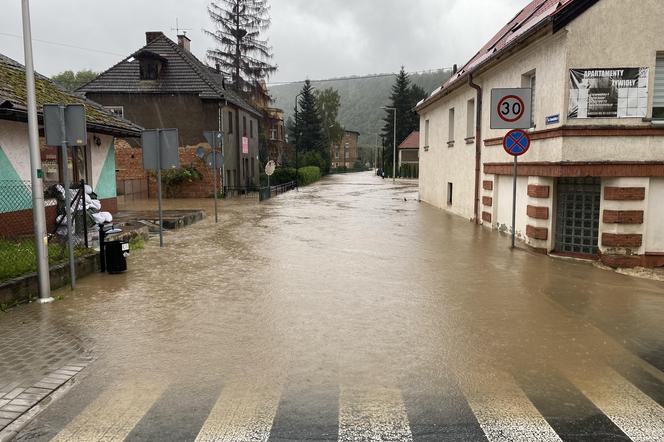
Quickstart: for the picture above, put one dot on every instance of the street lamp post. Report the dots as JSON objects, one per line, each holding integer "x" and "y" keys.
{"x": 394, "y": 145}
{"x": 36, "y": 176}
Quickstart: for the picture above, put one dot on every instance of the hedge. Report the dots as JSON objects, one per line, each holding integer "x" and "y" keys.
{"x": 308, "y": 175}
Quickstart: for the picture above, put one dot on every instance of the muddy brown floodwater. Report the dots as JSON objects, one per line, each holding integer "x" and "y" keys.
{"x": 351, "y": 311}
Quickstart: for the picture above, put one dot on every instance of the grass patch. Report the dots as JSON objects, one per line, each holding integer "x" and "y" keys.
{"x": 137, "y": 243}
{"x": 18, "y": 258}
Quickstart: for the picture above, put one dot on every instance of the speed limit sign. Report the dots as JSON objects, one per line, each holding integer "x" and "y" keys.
{"x": 511, "y": 108}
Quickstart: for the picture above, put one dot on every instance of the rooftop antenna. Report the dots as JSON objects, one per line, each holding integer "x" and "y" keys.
{"x": 178, "y": 30}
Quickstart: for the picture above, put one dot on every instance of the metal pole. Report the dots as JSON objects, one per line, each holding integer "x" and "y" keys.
{"x": 36, "y": 174}
{"x": 214, "y": 168}
{"x": 161, "y": 222}
{"x": 68, "y": 208}
{"x": 394, "y": 153}
{"x": 514, "y": 205}
{"x": 85, "y": 214}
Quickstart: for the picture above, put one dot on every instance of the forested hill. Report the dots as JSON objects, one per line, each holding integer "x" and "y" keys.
{"x": 361, "y": 99}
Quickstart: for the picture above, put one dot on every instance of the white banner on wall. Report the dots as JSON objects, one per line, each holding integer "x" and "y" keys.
{"x": 608, "y": 93}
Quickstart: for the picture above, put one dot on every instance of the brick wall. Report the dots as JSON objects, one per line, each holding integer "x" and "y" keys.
{"x": 625, "y": 193}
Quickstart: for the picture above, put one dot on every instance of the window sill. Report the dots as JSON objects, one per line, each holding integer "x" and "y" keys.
{"x": 470, "y": 140}
{"x": 450, "y": 144}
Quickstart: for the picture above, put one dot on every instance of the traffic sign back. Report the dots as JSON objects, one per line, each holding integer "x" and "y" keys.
{"x": 511, "y": 108}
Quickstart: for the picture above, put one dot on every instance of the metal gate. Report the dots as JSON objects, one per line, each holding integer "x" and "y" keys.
{"x": 577, "y": 215}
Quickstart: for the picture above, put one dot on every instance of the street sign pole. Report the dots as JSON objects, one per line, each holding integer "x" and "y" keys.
{"x": 161, "y": 216}
{"x": 68, "y": 208}
{"x": 214, "y": 169}
{"x": 516, "y": 159}
{"x": 515, "y": 143}
{"x": 38, "y": 210}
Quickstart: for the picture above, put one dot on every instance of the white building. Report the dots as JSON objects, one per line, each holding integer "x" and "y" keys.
{"x": 592, "y": 183}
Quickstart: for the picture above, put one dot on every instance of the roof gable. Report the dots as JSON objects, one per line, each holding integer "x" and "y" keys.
{"x": 412, "y": 141}
{"x": 13, "y": 100}
{"x": 182, "y": 73}
{"x": 536, "y": 14}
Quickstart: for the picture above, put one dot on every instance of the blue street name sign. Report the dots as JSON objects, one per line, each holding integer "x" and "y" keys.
{"x": 516, "y": 142}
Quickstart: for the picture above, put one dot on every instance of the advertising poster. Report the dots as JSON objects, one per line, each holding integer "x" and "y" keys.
{"x": 608, "y": 93}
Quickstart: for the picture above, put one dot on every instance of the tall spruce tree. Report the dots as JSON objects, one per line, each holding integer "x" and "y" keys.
{"x": 308, "y": 125}
{"x": 404, "y": 98}
{"x": 240, "y": 51}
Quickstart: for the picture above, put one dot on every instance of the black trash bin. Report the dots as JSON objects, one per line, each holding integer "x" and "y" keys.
{"x": 116, "y": 256}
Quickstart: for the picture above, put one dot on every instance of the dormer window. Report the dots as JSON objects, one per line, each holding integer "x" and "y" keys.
{"x": 149, "y": 69}
{"x": 151, "y": 65}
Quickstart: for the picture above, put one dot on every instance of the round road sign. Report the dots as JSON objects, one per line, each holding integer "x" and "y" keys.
{"x": 511, "y": 108}
{"x": 270, "y": 167}
{"x": 516, "y": 142}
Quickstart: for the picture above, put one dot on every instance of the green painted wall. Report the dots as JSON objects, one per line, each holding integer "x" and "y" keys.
{"x": 15, "y": 195}
{"x": 106, "y": 186}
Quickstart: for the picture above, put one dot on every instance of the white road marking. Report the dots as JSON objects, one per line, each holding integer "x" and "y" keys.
{"x": 244, "y": 412}
{"x": 376, "y": 414}
{"x": 503, "y": 410}
{"x": 113, "y": 415}
{"x": 634, "y": 412}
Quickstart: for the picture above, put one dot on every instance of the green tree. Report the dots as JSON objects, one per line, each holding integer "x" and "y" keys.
{"x": 306, "y": 132}
{"x": 71, "y": 80}
{"x": 328, "y": 102}
{"x": 240, "y": 50}
{"x": 404, "y": 98}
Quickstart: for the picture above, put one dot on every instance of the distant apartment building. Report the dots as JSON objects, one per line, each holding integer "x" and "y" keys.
{"x": 592, "y": 184}
{"x": 345, "y": 154}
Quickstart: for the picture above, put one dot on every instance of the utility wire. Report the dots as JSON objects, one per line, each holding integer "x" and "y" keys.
{"x": 359, "y": 77}
{"x": 64, "y": 45}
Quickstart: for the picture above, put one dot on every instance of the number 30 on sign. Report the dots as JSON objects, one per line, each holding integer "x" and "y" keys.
{"x": 511, "y": 108}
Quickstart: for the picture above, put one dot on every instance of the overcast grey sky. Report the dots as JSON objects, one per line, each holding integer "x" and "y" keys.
{"x": 311, "y": 38}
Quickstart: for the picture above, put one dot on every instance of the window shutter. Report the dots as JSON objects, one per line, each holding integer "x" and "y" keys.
{"x": 658, "y": 100}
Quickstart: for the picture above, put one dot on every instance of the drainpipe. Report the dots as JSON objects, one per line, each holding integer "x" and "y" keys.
{"x": 478, "y": 144}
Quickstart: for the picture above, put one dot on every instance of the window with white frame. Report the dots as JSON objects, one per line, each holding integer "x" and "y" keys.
{"x": 426, "y": 133}
{"x": 529, "y": 80}
{"x": 116, "y": 110}
{"x": 470, "y": 119}
{"x": 450, "y": 130}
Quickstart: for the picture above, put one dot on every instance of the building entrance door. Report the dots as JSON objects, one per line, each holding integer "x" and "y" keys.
{"x": 577, "y": 215}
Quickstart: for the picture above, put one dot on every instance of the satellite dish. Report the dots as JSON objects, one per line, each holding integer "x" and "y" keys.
{"x": 200, "y": 152}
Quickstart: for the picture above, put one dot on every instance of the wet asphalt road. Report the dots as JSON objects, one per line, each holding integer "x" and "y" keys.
{"x": 349, "y": 311}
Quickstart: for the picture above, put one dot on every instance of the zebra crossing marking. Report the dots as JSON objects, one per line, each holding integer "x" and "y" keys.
{"x": 243, "y": 412}
{"x": 376, "y": 414}
{"x": 634, "y": 412}
{"x": 503, "y": 410}
{"x": 111, "y": 416}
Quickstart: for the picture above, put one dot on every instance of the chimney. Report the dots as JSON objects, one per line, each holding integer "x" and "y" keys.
{"x": 151, "y": 36}
{"x": 184, "y": 42}
{"x": 455, "y": 69}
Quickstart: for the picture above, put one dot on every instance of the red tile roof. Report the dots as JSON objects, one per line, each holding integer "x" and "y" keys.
{"x": 536, "y": 13}
{"x": 412, "y": 141}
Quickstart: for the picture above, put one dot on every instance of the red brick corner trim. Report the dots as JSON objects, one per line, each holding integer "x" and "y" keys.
{"x": 538, "y": 212}
{"x": 487, "y": 185}
{"x": 622, "y": 240}
{"x": 487, "y": 201}
{"x": 486, "y": 217}
{"x": 535, "y": 191}
{"x": 624, "y": 193}
{"x": 541, "y": 233}
{"x": 623, "y": 216}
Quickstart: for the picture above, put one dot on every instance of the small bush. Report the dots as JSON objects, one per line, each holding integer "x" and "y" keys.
{"x": 308, "y": 175}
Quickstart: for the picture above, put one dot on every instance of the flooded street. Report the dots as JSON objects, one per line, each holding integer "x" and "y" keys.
{"x": 348, "y": 311}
